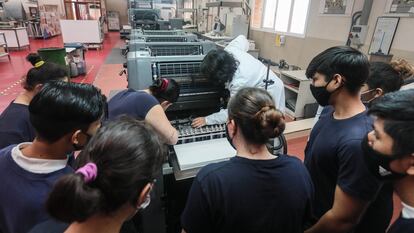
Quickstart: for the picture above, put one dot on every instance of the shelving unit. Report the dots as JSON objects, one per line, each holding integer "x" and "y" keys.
{"x": 46, "y": 25}
{"x": 49, "y": 21}
{"x": 4, "y": 50}
{"x": 297, "y": 91}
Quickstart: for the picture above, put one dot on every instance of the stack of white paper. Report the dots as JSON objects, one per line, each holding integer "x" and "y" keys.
{"x": 198, "y": 154}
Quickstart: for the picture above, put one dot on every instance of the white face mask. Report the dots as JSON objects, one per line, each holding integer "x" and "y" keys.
{"x": 146, "y": 203}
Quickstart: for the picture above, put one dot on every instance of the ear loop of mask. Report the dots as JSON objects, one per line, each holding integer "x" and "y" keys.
{"x": 147, "y": 201}
{"x": 364, "y": 100}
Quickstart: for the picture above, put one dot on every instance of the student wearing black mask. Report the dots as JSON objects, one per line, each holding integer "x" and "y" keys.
{"x": 344, "y": 188}
{"x": 389, "y": 150}
{"x": 383, "y": 78}
{"x": 64, "y": 115}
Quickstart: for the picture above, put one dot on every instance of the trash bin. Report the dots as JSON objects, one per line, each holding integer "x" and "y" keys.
{"x": 55, "y": 55}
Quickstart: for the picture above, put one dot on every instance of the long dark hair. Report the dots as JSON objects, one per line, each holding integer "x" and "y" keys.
{"x": 165, "y": 89}
{"x": 127, "y": 154}
{"x": 253, "y": 110}
{"x": 42, "y": 72}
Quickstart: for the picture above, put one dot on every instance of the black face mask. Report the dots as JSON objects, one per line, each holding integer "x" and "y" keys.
{"x": 228, "y": 137}
{"x": 379, "y": 164}
{"x": 322, "y": 95}
{"x": 80, "y": 147}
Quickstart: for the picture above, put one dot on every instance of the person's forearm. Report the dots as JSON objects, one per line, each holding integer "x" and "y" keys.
{"x": 173, "y": 139}
{"x": 217, "y": 118}
{"x": 329, "y": 223}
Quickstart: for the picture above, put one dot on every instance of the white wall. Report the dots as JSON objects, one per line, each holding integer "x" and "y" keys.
{"x": 326, "y": 31}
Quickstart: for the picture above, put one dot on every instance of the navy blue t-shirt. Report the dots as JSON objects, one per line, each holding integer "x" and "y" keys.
{"x": 402, "y": 225}
{"x": 54, "y": 226}
{"x": 23, "y": 194}
{"x": 50, "y": 226}
{"x": 334, "y": 157}
{"x": 132, "y": 103}
{"x": 244, "y": 195}
{"x": 15, "y": 126}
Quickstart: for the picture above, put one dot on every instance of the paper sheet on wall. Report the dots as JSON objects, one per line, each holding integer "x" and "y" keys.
{"x": 383, "y": 34}
{"x": 199, "y": 154}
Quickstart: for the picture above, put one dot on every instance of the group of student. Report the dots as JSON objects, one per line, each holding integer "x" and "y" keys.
{"x": 359, "y": 151}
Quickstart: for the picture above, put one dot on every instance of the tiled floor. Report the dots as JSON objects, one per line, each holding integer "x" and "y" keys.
{"x": 105, "y": 76}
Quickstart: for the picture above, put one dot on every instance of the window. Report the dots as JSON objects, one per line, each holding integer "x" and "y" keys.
{"x": 284, "y": 16}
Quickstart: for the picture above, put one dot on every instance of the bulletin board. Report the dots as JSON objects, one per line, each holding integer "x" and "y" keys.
{"x": 336, "y": 7}
{"x": 383, "y": 35}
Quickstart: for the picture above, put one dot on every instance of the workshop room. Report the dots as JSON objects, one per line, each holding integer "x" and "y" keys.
{"x": 206, "y": 116}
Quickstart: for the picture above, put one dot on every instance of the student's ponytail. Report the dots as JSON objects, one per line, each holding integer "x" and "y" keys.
{"x": 165, "y": 89}
{"x": 122, "y": 158}
{"x": 74, "y": 199}
{"x": 42, "y": 72}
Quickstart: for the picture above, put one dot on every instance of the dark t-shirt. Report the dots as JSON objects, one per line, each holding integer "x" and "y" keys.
{"x": 334, "y": 157}
{"x": 23, "y": 194}
{"x": 402, "y": 225}
{"x": 243, "y": 195}
{"x": 15, "y": 126}
{"x": 132, "y": 103}
{"x": 50, "y": 226}
{"x": 54, "y": 226}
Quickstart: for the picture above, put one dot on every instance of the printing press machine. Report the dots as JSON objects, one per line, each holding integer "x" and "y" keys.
{"x": 196, "y": 147}
{"x": 162, "y": 36}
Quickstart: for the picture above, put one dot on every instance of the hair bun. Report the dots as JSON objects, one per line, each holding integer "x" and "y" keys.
{"x": 271, "y": 121}
{"x": 33, "y": 58}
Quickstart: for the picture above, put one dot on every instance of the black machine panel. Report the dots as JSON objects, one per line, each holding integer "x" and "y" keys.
{"x": 166, "y": 39}
{"x": 178, "y": 50}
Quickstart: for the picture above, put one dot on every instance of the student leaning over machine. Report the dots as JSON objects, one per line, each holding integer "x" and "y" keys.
{"x": 149, "y": 105}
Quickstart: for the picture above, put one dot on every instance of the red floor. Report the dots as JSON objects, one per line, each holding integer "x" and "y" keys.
{"x": 11, "y": 73}
{"x": 105, "y": 76}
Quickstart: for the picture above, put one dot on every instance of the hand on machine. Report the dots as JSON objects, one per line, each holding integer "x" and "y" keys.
{"x": 198, "y": 122}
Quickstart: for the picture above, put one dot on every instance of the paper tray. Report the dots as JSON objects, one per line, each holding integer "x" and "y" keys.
{"x": 198, "y": 154}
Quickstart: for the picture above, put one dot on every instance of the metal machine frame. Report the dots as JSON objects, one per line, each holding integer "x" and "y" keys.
{"x": 165, "y": 38}
{"x": 162, "y": 35}
{"x": 172, "y": 48}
